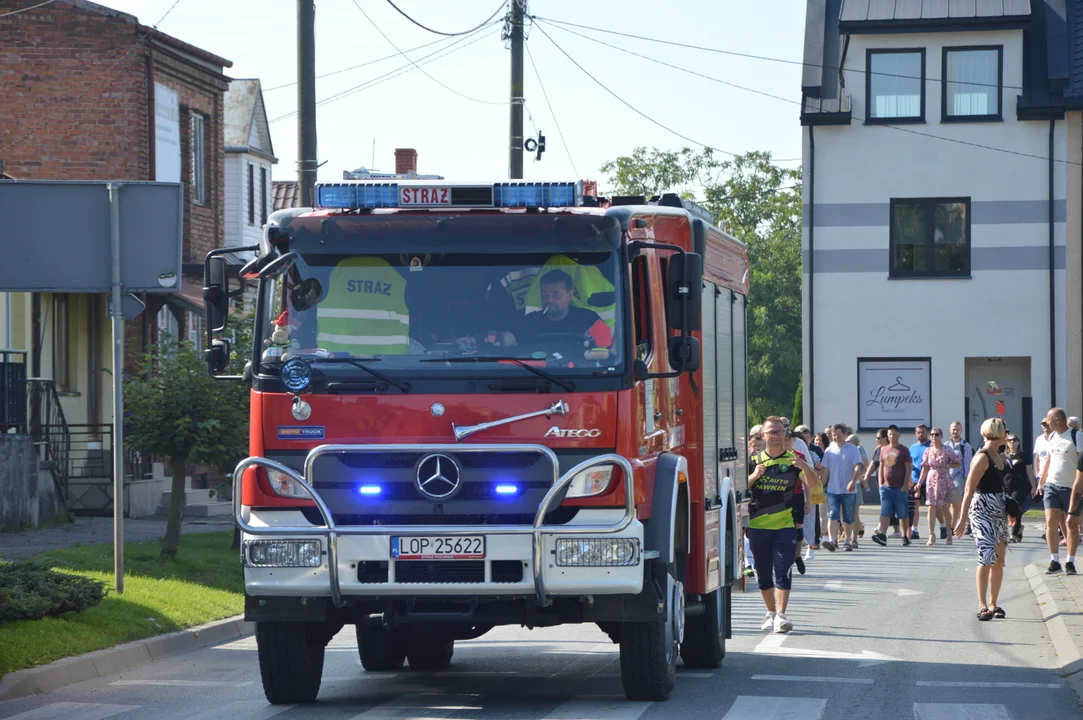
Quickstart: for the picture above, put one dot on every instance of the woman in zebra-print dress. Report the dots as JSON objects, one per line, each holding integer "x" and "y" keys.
{"x": 984, "y": 496}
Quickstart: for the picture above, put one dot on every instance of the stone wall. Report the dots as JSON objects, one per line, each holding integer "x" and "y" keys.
{"x": 28, "y": 496}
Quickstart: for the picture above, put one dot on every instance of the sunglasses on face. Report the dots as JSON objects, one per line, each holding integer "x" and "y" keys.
{"x": 938, "y": 434}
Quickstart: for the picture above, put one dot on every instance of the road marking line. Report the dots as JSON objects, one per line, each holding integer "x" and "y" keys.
{"x": 598, "y": 708}
{"x": 400, "y": 707}
{"x": 809, "y": 678}
{"x": 776, "y": 708}
{"x": 959, "y": 711}
{"x": 247, "y": 709}
{"x": 74, "y": 711}
{"x": 949, "y": 683}
{"x": 183, "y": 683}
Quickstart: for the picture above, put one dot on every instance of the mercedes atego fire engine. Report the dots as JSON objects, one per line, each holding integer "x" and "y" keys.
{"x": 489, "y": 404}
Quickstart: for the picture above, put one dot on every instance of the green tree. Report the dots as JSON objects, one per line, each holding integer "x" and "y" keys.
{"x": 176, "y": 410}
{"x": 760, "y": 204}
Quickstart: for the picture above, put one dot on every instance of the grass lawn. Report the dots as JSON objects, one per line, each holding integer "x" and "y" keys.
{"x": 203, "y": 583}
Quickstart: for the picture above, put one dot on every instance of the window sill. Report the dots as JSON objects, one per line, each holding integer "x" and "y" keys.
{"x": 895, "y": 121}
{"x": 967, "y": 276}
{"x": 949, "y": 119}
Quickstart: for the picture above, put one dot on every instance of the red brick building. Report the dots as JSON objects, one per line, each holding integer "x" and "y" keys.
{"x": 90, "y": 93}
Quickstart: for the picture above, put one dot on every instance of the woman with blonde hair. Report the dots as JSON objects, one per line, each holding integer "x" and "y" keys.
{"x": 987, "y": 503}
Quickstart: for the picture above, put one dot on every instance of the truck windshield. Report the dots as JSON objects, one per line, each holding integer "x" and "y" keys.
{"x": 556, "y": 309}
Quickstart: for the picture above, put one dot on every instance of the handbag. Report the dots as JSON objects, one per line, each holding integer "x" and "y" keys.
{"x": 816, "y": 495}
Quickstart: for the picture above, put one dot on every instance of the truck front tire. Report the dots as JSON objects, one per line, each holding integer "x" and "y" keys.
{"x": 290, "y": 660}
{"x": 648, "y": 650}
{"x": 704, "y": 643}
{"x": 380, "y": 650}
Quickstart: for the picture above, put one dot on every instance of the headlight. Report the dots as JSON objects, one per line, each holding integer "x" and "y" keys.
{"x": 602, "y": 552}
{"x": 592, "y": 481}
{"x": 282, "y": 484}
{"x": 282, "y": 553}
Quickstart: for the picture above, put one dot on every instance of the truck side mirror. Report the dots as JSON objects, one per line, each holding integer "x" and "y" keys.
{"x": 677, "y": 290}
{"x": 279, "y": 265}
{"x": 217, "y": 355}
{"x": 640, "y": 371}
{"x": 215, "y": 296}
{"x": 684, "y": 353}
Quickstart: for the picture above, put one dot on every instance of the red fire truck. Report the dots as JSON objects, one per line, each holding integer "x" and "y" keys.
{"x": 489, "y": 404}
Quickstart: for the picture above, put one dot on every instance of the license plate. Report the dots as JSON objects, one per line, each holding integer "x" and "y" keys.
{"x": 470, "y": 547}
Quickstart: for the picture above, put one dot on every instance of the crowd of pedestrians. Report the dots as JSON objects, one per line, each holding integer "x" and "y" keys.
{"x": 803, "y": 493}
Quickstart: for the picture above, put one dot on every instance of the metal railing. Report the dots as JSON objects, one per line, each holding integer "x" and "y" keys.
{"x": 13, "y": 405}
{"x": 331, "y": 532}
{"x": 49, "y": 429}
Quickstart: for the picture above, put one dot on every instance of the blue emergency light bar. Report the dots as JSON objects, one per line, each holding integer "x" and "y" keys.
{"x": 361, "y": 195}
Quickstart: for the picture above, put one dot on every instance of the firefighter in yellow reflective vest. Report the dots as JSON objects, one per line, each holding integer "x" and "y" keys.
{"x": 365, "y": 310}
{"x": 587, "y": 280}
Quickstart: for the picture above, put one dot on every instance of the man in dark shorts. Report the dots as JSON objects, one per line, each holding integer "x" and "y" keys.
{"x": 771, "y": 530}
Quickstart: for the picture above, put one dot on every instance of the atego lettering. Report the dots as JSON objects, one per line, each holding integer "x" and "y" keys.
{"x": 572, "y": 433}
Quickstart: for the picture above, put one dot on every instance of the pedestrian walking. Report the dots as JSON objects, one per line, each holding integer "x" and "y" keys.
{"x": 843, "y": 464}
{"x": 771, "y": 528}
{"x": 789, "y": 442}
{"x": 859, "y": 527}
{"x": 1065, "y": 445}
{"x": 917, "y": 453}
{"x": 894, "y": 480}
{"x": 985, "y": 498}
{"x": 1019, "y": 479}
{"x": 958, "y": 474}
{"x": 936, "y": 466}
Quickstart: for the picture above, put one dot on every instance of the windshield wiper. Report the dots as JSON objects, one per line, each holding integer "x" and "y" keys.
{"x": 569, "y": 386}
{"x": 360, "y": 364}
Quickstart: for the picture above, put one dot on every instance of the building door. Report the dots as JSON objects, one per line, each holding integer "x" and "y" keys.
{"x": 996, "y": 387}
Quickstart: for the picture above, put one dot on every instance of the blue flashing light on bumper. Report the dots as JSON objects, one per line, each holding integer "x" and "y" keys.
{"x": 370, "y": 489}
{"x": 506, "y": 489}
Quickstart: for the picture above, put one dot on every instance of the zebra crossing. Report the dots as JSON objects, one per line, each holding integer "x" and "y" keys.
{"x": 437, "y": 706}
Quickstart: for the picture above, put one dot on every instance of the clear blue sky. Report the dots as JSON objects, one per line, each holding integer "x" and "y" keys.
{"x": 467, "y": 140}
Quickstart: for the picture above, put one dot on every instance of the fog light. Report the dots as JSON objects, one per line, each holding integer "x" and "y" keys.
{"x": 592, "y": 552}
{"x": 282, "y": 553}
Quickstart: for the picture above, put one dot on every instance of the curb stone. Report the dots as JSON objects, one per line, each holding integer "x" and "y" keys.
{"x": 1070, "y": 655}
{"x": 101, "y": 663}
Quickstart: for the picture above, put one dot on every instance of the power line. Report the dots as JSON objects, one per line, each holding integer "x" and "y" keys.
{"x": 392, "y": 74}
{"x": 752, "y": 56}
{"x": 446, "y": 87}
{"x": 798, "y": 103}
{"x": 355, "y": 67}
{"x": 447, "y": 34}
{"x": 551, "y": 112}
{"x": 108, "y": 73}
{"x": 627, "y": 104}
{"x": 33, "y": 7}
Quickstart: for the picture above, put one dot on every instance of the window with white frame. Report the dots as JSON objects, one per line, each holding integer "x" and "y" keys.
{"x": 895, "y": 86}
{"x": 199, "y": 159}
{"x": 251, "y": 194}
{"x": 973, "y": 78}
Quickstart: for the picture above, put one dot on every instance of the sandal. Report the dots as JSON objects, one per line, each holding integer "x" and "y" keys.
{"x": 985, "y": 613}
{"x": 998, "y": 612}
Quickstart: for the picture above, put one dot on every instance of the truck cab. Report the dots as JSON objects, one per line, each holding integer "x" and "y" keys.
{"x": 488, "y": 404}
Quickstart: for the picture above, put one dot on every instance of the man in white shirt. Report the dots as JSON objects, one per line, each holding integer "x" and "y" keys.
{"x": 958, "y": 475}
{"x": 1064, "y": 447}
{"x": 844, "y": 467}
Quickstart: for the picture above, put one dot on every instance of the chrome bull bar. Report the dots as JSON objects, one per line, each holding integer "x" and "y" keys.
{"x": 331, "y": 532}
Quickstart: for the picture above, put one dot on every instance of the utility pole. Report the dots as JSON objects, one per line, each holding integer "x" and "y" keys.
{"x": 515, "y": 170}
{"x": 307, "y": 161}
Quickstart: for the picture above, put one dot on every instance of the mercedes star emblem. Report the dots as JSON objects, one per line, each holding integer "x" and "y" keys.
{"x": 438, "y": 477}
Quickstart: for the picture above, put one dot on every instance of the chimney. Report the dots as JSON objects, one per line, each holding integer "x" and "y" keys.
{"x": 405, "y": 161}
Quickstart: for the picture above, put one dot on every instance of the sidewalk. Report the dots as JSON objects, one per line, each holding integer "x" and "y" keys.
{"x": 1060, "y": 600}
{"x": 88, "y": 531}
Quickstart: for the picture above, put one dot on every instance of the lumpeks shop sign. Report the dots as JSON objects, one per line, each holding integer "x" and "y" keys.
{"x": 895, "y": 391}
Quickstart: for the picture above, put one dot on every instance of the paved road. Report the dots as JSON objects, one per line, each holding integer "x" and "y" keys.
{"x": 880, "y": 633}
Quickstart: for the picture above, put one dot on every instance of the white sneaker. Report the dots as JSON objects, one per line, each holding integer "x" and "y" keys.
{"x": 782, "y": 624}
{"x": 768, "y": 621}
{"x": 895, "y": 535}
{"x": 810, "y": 554}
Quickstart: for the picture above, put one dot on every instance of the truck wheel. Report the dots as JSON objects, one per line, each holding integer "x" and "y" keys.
{"x": 290, "y": 661}
{"x": 704, "y": 643}
{"x": 648, "y": 651}
{"x": 430, "y": 654}
{"x": 381, "y": 650}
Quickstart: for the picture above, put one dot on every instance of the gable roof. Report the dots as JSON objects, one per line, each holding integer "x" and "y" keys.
{"x": 924, "y": 15}
{"x": 285, "y": 194}
{"x": 246, "y": 129}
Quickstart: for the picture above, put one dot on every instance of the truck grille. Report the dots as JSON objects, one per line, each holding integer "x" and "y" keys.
{"x": 440, "y": 571}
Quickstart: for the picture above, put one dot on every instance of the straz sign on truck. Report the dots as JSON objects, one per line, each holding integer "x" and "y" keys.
{"x": 484, "y": 441}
